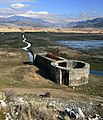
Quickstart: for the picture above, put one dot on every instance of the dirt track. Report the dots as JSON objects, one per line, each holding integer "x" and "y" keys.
{"x": 55, "y": 93}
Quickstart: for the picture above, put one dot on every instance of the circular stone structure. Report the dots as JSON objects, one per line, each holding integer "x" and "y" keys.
{"x": 63, "y": 71}
{"x": 72, "y": 72}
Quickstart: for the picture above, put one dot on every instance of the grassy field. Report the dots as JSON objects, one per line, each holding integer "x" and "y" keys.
{"x": 15, "y": 74}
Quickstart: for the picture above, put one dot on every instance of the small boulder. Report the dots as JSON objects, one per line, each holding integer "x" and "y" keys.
{"x": 2, "y": 96}
{"x": 80, "y": 112}
{"x": 2, "y": 104}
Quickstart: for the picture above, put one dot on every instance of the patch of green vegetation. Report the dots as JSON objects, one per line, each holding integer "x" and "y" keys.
{"x": 97, "y": 66}
{"x": 48, "y": 38}
{"x": 11, "y": 40}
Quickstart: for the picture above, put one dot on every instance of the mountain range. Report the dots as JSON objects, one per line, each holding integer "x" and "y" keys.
{"x": 20, "y": 21}
{"x": 94, "y": 23}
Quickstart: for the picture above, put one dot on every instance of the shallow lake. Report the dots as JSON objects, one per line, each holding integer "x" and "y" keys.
{"x": 99, "y": 73}
{"x": 82, "y": 44}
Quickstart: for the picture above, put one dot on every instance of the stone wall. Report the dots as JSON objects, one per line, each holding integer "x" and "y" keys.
{"x": 63, "y": 71}
{"x": 79, "y": 76}
{"x": 44, "y": 64}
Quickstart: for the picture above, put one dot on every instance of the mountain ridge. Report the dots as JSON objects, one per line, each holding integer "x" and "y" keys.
{"x": 22, "y": 21}
{"x": 94, "y": 23}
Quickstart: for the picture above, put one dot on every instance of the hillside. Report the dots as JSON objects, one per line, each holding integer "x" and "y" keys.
{"x": 94, "y": 23}
{"x": 20, "y": 21}
{"x": 27, "y": 22}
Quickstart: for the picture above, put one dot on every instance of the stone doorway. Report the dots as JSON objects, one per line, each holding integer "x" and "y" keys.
{"x": 65, "y": 77}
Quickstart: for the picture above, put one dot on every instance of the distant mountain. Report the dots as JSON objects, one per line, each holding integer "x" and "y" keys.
{"x": 20, "y": 21}
{"x": 94, "y": 23}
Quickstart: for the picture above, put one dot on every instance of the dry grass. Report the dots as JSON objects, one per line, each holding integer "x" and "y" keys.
{"x": 64, "y": 30}
{"x": 26, "y": 78}
{"x": 14, "y": 73}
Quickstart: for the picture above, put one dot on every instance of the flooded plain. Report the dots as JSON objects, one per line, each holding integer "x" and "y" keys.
{"x": 82, "y": 44}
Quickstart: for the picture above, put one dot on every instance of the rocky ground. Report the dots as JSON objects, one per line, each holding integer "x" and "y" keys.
{"x": 44, "y": 106}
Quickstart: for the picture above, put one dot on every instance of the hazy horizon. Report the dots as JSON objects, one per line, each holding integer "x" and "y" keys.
{"x": 53, "y": 11}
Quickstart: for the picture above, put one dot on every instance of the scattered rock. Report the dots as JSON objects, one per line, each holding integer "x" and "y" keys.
{"x": 95, "y": 117}
{"x": 60, "y": 117}
{"x": 47, "y": 107}
{"x": 47, "y": 94}
{"x": 71, "y": 113}
{"x": 66, "y": 117}
{"x": 80, "y": 112}
{"x": 75, "y": 113}
{"x": 2, "y": 104}
{"x": 100, "y": 105}
{"x": 2, "y": 96}
{"x": 51, "y": 105}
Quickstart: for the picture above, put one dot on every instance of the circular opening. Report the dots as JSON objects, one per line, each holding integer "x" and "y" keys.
{"x": 78, "y": 65}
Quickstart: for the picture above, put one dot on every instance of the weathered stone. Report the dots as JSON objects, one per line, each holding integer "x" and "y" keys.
{"x": 80, "y": 112}
{"x": 2, "y": 104}
{"x": 67, "y": 118}
{"x": 2, "y": 96}
{"x": 63, "y": 71}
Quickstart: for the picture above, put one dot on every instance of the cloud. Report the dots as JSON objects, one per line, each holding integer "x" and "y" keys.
{"x": 37, "y": 13}
{"x": 84, "y": 16}
{"x": 45, "y": 15}
{"x": 5, "y": 1}
{"x": 33, "y": 14}
{"x": 54, "y": 18}
{"x": 17, "y": 6}
{"x": 7, "y": 12}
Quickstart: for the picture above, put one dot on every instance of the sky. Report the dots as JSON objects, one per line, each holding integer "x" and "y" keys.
{"x": 53, "y": 10}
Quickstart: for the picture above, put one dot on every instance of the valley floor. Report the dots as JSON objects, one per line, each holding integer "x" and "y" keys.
{"x": 24, "y": 78}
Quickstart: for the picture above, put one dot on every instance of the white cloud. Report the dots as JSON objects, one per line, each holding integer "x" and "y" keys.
{"x": 45, "y": 15}
{"x": 17, "y": 6}
{"x": 7, "y": 12}
{"x": 30, "y": 12}
{"x": 5, "y": 1}
{"x": 33, "y": 14}
{"x": 84, "y": 16}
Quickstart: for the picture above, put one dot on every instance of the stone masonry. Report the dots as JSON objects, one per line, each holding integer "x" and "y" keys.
{"x": 63, "y": 71}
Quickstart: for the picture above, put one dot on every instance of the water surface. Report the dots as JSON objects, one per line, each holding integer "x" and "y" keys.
{"x": 98, "y": 73}
{"x": 82, "y": 44}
